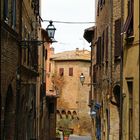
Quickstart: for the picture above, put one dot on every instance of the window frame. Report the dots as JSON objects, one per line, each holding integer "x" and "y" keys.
{"x": 71, "y": 71}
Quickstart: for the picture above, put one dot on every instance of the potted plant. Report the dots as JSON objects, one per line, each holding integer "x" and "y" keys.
{"x": 58, "y": 135}
{"x": 66, "y": 134}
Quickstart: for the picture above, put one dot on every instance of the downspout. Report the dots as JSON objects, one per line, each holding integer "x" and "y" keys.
{"x": 121, "y": 73}
{"x": 18, "y": 78}
{"x": 91, "y": 73}
{"x": 110, "y": 34}
{"x": 139, "y": 82}
{"x": 110, "y": 60}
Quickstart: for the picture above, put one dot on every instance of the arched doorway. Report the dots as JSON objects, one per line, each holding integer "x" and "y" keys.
{"x": 9, "y": 115}
{"x": 115, "y": 113}
{"x": 116, "y": 92}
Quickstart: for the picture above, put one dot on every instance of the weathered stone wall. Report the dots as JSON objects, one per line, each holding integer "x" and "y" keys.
{"x": 108, "y": 71}
{"x": 72, "y": 105}
{"x": 9, "y": 49}
{"x": 131, "y": 114}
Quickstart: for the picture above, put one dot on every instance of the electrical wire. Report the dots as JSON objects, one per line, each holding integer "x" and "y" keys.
{"x": 67, "y": 22}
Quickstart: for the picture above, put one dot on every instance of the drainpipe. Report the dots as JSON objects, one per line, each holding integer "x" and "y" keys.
{"x": 121, "y": 73}
{"x": 110, "y": 35}
{"x": 18, "y": 78}
{"x": 110, "y": 58}
{"x": 91, "y": 72}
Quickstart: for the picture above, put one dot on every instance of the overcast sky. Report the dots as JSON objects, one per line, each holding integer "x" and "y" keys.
{"x": 69, "y": 36}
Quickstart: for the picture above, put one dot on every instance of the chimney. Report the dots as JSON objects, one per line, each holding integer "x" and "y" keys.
{"x": 77, "y": 51}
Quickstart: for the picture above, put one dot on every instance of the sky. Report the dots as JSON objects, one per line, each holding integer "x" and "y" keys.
{"x": 68, "y": 36}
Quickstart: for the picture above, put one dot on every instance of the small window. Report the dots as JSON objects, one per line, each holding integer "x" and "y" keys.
{"x": 46, "y": 54}
{"x": 70, "y": 71}
{"x": 49, "y": 67}
{"x": 61, "y": 71}
{"x": 51, "y": 108}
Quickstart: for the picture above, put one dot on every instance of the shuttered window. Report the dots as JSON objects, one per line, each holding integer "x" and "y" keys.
{"x": 46, "y": 54}
{"x": 106, "y": 44}
{"x": 117, "y": 49}
{"x": 61, "y": 71}
{"x": 13, "y": 14}
{"x": 128, "y": 26}
{"x": 102, "y": 48}
{"x": 70, "y": 71}
{"x": 5, "y": 10}
{"x": 49, "y": 67}
{"x": 94, "y": 73}
{"x": 98, "y": 52}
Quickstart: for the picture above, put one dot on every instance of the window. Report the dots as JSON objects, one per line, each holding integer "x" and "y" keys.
{"x": 49, "y": 67}
{"x": 98, "y": 52}
{"x": 61, "y": 71}
{"x": 102, "y": 49}
{"x": 100, "y": 6}
{"x": 5, "y": 10}
{"x": 46, "y": 54}
{"x": 130, "y": 90}
{"x": 28, "y": 51}
{"x": 9, "y": 12}
{"x": 70, "y": 71}
{"x": 117, "y": 49}
{"x": 51, "y": 108}
{"x": 13, "y": 14}
{"x": 128, "y": 26}
{"x": 106, "y": 43}
{"x": 94, "y": 73}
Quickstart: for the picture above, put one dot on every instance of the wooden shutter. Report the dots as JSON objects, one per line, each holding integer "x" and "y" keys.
{"x": 5, "y": 13}
{"x": 49, "y": 67}
{"x": 106, "y": 45}
{"x": 70, "y": 71}
{"x": 98, "y": 9}
{"x": 14, "y": 13}
{"x": 61, "y": 71}
{"x": 94, "y": 73}
{"x": 99, "y": 51}
{"x": 117, "y": 49}
{"x": 128, "y": 26}
{"x": 46, "y": 54}
{"x": 102, "y": 47}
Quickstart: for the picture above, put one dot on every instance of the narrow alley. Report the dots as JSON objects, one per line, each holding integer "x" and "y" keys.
{"x": 70, "y": 70}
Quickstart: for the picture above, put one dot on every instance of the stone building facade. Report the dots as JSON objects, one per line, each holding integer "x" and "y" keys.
{"x": 105, "y": 42}
{"x": 72, "y": 102}
{"x": 19, "y": 21}
{"x": 46, "y": 100}
{"x": 131, "y": 71}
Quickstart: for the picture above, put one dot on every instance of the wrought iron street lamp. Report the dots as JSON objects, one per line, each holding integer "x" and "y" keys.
{"x": 82, "y": 80}
{"x": 50, "y": 31}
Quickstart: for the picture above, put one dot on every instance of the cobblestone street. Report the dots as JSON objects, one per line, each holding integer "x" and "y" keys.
{"x": 74, "y": 137}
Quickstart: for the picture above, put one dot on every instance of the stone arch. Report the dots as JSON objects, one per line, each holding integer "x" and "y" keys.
{"x": 74, "y": 114}
{"x": 116, "y": 94}
{"x": 58, "y": 115}
{"x": 114, "y": 111}
{"x": 63, "y": 112}
{"x": 9, "y": 119}
{"x": 69, "y": 114}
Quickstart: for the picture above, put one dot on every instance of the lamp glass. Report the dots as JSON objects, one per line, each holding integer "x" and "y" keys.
{"x": 51, "y": 30}
{"x": 82, "y": 78}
